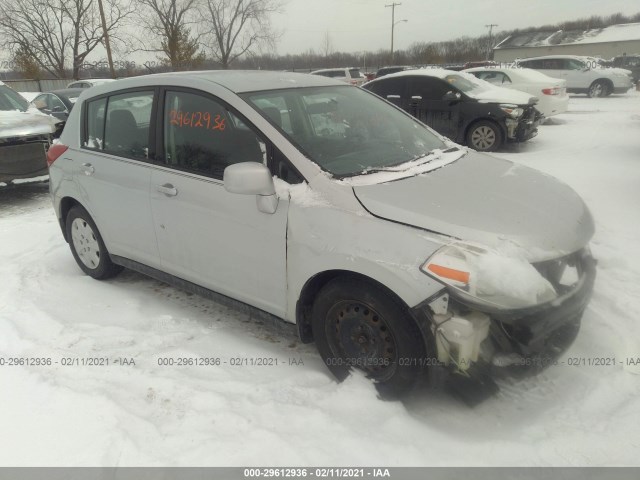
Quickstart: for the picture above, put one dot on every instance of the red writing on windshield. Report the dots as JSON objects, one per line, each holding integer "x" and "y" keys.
{"x": 204, "y": 120}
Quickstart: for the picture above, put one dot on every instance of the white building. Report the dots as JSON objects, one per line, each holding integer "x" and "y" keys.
{"x": 605, "y": 42}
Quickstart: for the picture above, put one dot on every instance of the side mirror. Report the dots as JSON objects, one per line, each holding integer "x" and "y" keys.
{"x": 452, "y": 96}
{"x": 252, "y": 178}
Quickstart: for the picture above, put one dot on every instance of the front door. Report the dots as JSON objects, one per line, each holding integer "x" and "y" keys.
{"x": 426, "y": 102}
{"x": 206, "y": 235}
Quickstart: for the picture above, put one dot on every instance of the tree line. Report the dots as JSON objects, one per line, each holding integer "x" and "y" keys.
{"x": 54, "y": 38}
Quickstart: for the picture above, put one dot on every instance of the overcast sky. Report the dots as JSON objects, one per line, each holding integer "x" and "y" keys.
{"x": 357, "y": 25}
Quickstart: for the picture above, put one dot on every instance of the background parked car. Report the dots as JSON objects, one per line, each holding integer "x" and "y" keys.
{"x": 89, "y": 82}
{"x": 461, "y": 107}
{"x": 551, "y": 92}
{"x": 389, "y": 70}
{"x": 350, "y": 75}
{"x": 25, "y": 137}
{"x": 629, "y": 62}
{"x": 583, "y": 74}
{"x": 57, "y": 102}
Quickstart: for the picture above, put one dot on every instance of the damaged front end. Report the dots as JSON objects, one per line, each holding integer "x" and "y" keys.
{"x": 513, "y": 320}
{"x": 521, "y": 122}
{"x": 25, "y": 138}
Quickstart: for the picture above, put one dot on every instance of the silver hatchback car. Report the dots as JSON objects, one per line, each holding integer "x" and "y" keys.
{"x": 314, "y": 202}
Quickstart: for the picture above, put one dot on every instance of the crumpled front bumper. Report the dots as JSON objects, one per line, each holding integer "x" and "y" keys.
{"x": 530, "y": 340}
{"x": 520, "y": 342}
{"x": 525, "y": 127}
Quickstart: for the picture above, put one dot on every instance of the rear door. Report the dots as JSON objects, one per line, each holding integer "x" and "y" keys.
{"x": 426, "y": 102}
{"x": 206, "y": 235}
{"x": 113, "y": 171}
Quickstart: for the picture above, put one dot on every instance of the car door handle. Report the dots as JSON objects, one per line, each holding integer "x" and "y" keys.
{"x": 168, "y": 189}
{"x": 88, "y": 169}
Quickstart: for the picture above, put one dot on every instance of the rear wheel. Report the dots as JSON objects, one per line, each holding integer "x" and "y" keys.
{"x": 360, "y": 325}
{"x": 484, "y": 136}
{"x": 598, "y": 88}
{"x": 87, "y": 245}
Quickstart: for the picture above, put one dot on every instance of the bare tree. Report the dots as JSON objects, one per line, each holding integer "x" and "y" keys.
{"x": 239, "y": 27}
{"x": 53, "y": 32}
{"x": 168, "y": 22}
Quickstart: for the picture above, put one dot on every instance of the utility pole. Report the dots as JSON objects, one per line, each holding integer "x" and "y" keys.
{"x": 490, "y": 47}
{"x": 105, "y": 33}
{"x": 393, "y": 23}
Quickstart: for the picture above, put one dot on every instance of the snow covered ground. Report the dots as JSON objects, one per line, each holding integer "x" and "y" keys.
{"x": 295, "y": 414}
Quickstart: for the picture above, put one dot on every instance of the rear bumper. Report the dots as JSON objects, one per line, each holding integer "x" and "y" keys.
{"x": 25, "y": 160}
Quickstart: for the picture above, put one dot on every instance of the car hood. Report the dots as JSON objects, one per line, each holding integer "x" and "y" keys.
{"x": 488, "y": 201}
{"x": 19, "y": 124}
{"x": 503, "y": 95}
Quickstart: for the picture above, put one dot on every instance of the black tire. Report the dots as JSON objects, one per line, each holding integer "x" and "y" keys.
{"x": 360, "y": 325}
{"x": 598, "y": 89}
{"x": 484, "y": 136}
{"x": 87, "y": 245}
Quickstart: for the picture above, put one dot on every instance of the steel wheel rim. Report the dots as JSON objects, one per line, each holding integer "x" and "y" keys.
{"x": 597, "y": 90}
{"x": 483, "y": 137}
{"x": 359, "y": 335}
{"x": 85, "y": 243}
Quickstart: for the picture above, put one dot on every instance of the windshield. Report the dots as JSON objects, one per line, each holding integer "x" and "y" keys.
{"x": 466, "y": 83}
{"x": 345, "y": 130}
{"x": 10, "y": 100}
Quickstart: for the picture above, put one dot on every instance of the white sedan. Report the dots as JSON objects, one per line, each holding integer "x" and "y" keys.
{"x": 552, "y": 92}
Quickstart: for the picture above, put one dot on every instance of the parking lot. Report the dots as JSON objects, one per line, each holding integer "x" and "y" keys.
{"x": 103, "y": 345}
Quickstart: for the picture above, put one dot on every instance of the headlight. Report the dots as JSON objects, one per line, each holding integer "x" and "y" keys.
{"x": 512, "y": 111}
{"x": 500, "y": 280}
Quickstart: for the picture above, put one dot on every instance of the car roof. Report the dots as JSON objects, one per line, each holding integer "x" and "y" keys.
{"x": 516, "y": 73}
{"x": 237, "y": 81}
{"x": 336, "y": 69}
{"x": 67, "y": 92}
{"x": 426, "y": 72}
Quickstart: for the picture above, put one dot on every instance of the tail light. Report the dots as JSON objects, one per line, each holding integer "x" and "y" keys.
{"x": 354, "y": 82}
{"x": 54, "y": 152}
{"x": 552, "y": 91}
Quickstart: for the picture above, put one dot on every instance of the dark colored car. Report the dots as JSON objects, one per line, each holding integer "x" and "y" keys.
{"x": 57, "y": 102}
{"x": 630, "y": 62}
{"x": 461, "y": 107}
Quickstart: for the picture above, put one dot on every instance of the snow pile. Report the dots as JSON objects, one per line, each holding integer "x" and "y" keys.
{"x": 512, "y": 277}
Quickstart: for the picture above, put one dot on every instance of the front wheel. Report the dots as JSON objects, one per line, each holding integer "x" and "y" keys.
{"x": 87, "y": 245}
{"x": 360, "y": 325}
{"x": 484, "y": 136}
{"x": 598, "y": 89}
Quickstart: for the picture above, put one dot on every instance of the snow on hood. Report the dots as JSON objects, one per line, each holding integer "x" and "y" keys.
{"x": 16, "y": 124}
{"x": 503, "y": 95}
{"x": 489, "y": 201}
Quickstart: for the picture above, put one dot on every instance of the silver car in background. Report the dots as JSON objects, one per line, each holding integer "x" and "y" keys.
{"x": 314, "y": 202}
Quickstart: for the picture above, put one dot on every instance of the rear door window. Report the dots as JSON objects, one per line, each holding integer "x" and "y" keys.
{"x": 120, "y": 124}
